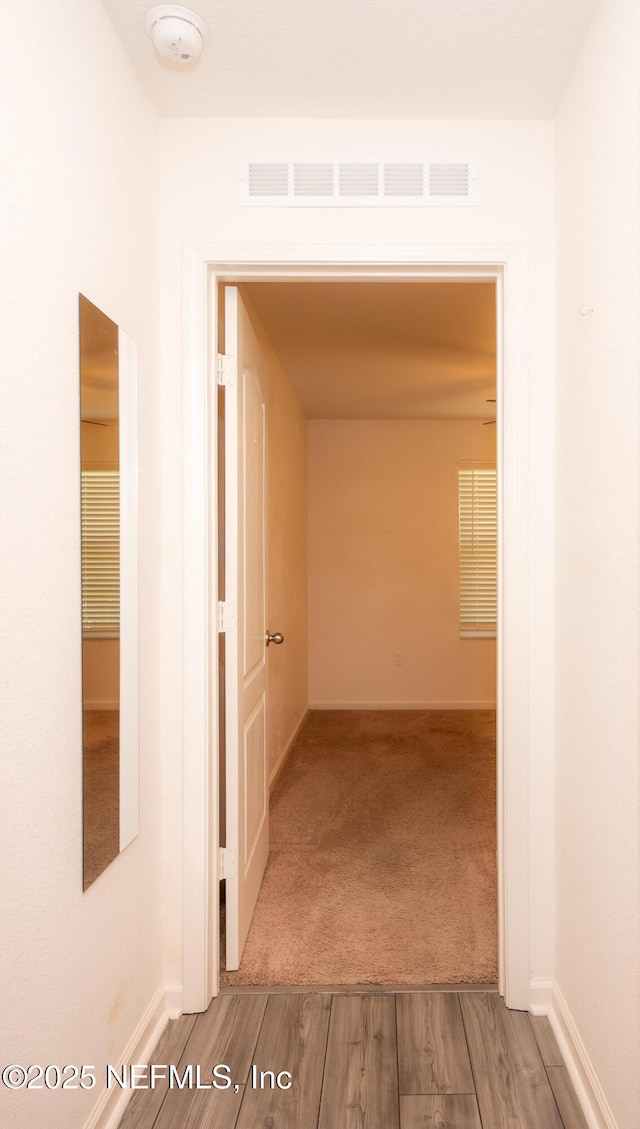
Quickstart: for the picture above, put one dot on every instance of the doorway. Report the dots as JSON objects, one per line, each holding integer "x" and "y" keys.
{"x": 379, "y": 402}
{"x": 205, "y": 268}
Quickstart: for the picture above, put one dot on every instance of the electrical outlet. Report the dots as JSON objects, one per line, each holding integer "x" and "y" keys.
{"x": 397, "y": 658}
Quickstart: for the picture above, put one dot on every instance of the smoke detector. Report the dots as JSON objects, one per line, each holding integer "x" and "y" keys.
{"x": 178, "y": 34}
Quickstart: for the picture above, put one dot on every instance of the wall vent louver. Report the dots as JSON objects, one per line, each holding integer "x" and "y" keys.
{"x": 313, "y": 179}
{"x": 268, "y": 178}
{"x": 448, "y": 179}
{"x": 332, "y": 182}
{"x": 404, "y": 180}
{"x": 357, "y": 179}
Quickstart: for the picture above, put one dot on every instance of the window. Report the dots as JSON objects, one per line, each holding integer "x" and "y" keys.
{"x": 100, "y": 552}
{"x": 477, "y": 504}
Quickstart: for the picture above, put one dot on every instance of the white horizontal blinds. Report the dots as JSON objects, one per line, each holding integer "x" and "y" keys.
{"x": 100, "y": 551}
{"x": 478, "y": 549}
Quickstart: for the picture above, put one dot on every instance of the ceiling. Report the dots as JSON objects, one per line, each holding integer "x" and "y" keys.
{"x": 383, "y": 59}
{"x": 98, "y": 363}
{"x": 373, "y": 350}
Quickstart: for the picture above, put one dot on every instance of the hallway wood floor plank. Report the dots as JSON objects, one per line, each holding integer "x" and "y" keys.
{"x": 293, "y": 1038}
{"x": 546, "y": 1041}
{"x": 432, "y": 1049}
{"x": 511, "y": 1082}
{"x": 572, "y": 1115}
{"x": 226, "y": 1033}
{"x": 200, "y": 1109}
{"x": 361, "y": 1071}
{"x": 451, "y": 1111}
{"x": 143, "y": 1108}
{"x": 351, "y": 1056}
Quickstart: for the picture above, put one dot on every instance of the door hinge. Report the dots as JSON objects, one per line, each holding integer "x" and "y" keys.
{"x": 226, "y": 616}
{"x": 227, "y": 863}
{"x": 225, "y": 368}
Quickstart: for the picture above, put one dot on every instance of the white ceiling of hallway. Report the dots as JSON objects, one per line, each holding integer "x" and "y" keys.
{"x": 380, "y": 59}
{"x": 364, "y": 350}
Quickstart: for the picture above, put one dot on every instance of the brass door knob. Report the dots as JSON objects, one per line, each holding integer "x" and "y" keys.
{"x": 275, "y": 638}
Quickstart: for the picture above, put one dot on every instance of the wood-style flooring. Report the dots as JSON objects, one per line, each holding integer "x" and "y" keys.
{"x": 361, "y": 1060}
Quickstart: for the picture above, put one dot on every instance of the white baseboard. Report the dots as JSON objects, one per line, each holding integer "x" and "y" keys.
{"x": 278, "y": 766}
{"x": 108, "y": 1110}
{"x": 586, "y": 1084}
{"x": 173, "y": 1000}
{"x": 108, "y": 705}
{"x": 402, "y": 705}
{"x": 540, "y": 991}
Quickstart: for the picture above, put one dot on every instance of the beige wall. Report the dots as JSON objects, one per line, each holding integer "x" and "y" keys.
{"x": 383, "y": 565}
{"x": 100, "y": 673}
{"x": 286, "y": 552}
{"x": 199, "y": 186}
{"x": 598, "y": 707}
{"x": 79, "y": 971}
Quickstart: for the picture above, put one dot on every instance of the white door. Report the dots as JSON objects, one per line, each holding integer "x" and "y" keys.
{"x": 247, "y": 793}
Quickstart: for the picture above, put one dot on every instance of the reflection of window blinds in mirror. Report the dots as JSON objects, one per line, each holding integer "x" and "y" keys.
{"x": 100, "y": 551}
{"x": 478, "y": 549}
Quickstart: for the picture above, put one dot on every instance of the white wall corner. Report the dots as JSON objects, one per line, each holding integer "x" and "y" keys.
{"x": 540, "y": 995}
{"x": 108, "y": 1111}
{"x": 173, "y": 1000}
{"x": 586, "y": 1084}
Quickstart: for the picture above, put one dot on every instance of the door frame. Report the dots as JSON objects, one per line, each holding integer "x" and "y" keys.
{"x": 205, "y": 266}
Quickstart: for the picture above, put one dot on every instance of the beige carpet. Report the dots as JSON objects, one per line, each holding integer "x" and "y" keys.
{"x": 100, "y": 791}
{"x": 383, "y": 854}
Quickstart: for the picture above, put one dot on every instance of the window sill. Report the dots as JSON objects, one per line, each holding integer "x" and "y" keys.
{"x": 477, "y": 634}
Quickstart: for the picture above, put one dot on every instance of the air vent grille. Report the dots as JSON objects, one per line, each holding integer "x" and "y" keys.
{"x": 358, "y": 179}
{"x": 268, "y": 179}
{"x": 448, "y": 179}
{"x": 313, "y": 179}
{"x": 404, "y": 180}
{"x": 331, "y": 182}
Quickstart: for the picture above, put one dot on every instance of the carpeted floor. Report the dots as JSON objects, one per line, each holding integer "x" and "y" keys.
{"x": 383, "y": 854}
{"x": 100, "y": 791}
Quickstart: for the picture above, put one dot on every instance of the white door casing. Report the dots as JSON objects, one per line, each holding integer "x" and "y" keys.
{"x": 246, "y": 768}
{"x": 205, "y": 266}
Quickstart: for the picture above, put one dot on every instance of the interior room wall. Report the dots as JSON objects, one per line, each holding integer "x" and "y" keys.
{"x": 79, "y": 971}
{"x": 597, "y": 785}
{"x": 101, "y": 674}
{"x": 383, "y": 566}
{"x": 200, "y": 200}
{"x": 287, "y": 664}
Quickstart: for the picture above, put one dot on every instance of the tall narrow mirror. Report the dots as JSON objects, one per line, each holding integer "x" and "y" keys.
{"x": 109, "y": 589}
